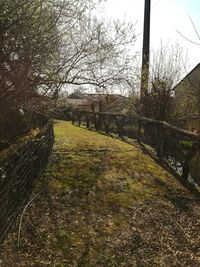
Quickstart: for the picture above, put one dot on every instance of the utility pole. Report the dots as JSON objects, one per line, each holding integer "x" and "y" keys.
{"x": 145, "y": 50}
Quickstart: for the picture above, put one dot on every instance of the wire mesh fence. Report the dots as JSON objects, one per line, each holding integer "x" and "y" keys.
{"x": 20, "y": 166}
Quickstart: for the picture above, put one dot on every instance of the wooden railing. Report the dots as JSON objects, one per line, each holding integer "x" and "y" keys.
{"x": 176, "y": 146}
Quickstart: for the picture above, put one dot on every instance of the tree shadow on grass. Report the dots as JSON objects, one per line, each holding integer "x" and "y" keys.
{"x": 189, "y": 186}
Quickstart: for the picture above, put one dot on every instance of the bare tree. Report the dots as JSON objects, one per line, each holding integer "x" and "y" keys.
{"x": 166, "y": 69}
{"x": 92, "y": 56}
{"x": 46, "y": 44}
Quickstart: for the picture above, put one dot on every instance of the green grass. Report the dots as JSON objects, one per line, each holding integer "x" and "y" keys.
{"x": 106, "y": 204}
{"x": 117, "y": 172}
{"x": 105, "y": 175}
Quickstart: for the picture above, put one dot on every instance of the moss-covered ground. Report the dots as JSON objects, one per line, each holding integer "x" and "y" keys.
{"x": 105, "y": 203}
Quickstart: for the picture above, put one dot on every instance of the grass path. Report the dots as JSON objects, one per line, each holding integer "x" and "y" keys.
{"x": 106, "y": 204}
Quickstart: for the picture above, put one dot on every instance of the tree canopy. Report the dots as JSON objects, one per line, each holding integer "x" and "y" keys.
{"x": 46, "y": 44}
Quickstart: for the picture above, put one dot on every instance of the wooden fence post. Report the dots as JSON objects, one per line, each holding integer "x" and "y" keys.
{"x": 100, "y": 121}
{"x": 159, "y": 145}
{"x": 73, "y": 117}
{"x": 139, "y": 131}
{"x": 79, "y": 118}
{"x": 186, "y": 166}
{"x": 87, "y": 120}
{"x": 105, "y": 124}
{"x": 95, "y": 122}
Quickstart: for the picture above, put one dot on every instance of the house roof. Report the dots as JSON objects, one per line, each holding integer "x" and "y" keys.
{"x": 94, "y": 96}
{"x": 76, "y": 96}
{"x": 193, "y": 77}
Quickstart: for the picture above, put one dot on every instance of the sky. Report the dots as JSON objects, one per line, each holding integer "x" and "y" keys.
{"x": 168, "y": 17}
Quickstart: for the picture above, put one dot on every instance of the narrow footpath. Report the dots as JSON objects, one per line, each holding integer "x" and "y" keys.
{"x": 103, "y": 202}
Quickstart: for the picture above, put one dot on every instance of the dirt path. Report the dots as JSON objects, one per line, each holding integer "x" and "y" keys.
{"x": 105, "y": 204}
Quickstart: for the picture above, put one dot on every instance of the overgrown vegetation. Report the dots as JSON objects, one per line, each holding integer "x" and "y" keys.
{"x": 165, "y": 71}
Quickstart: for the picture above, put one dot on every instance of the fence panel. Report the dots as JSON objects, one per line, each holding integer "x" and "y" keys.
{"x": 179, "y": 148}
{"x": 20, "y": 166}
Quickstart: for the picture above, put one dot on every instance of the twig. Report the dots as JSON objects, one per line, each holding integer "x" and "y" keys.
{"x": 189, "y": 40}
{"x": 194, "y": 27}
{"x": 21, "y": 218}
{"x": 115, "y": 263}
{"x": 90, "y": 150}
